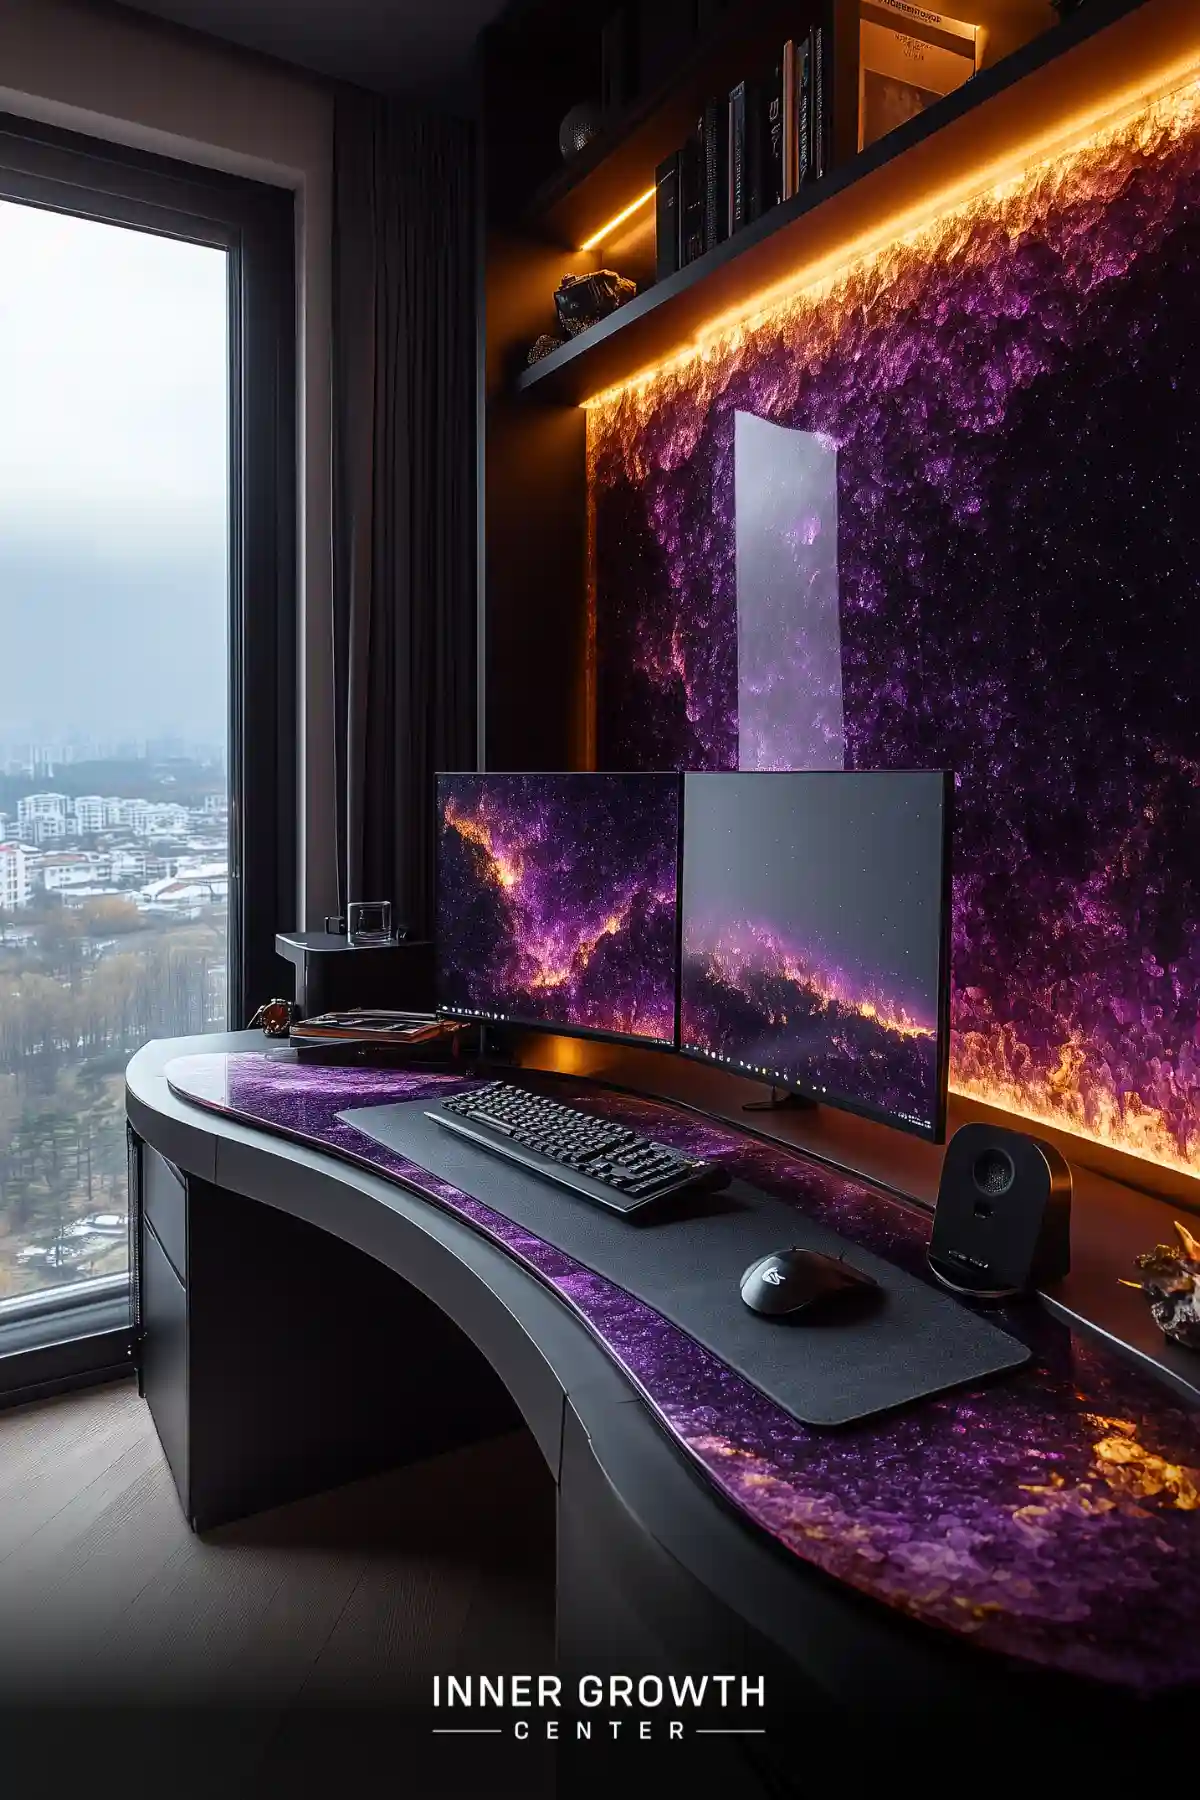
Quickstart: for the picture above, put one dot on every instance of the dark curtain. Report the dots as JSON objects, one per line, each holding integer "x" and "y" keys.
{"x": 404, "y": 521}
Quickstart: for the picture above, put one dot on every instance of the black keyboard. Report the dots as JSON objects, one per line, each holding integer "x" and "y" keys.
{"x": 590, "y": 1157}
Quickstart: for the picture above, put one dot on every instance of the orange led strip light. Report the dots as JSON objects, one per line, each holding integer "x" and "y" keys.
{"x": 627, "y": 212}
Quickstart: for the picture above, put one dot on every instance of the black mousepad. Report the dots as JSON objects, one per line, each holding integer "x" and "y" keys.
{"x": 909, "y": 1342}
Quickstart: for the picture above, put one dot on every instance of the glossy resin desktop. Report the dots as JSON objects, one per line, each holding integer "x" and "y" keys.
{"x": 1053, "y": 1517}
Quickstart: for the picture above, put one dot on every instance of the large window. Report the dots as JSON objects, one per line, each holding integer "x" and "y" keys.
{"x": 114, "y": 606}
{"x": 147, "y": 676}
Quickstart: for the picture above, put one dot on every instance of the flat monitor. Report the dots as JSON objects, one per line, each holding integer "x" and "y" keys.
{"x": 815, "y": 937}
{"x": 558, "y": 902}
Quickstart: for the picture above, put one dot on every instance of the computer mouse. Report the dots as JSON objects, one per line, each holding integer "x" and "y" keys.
{"x": 791, "y": 1282}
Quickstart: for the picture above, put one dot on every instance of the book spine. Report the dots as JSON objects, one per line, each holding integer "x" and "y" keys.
{"x": 772, "y": 139}
{"x": 691, "y": 201}
{"x": 789, "y": 120}
{"x": 753, "y": 150}
{"x": 715, "y": 128}
{"x": 666, "y": 217}
{"x": 737, "y": 158}
{"x": 818, "y": 156}
{"x": 804, "y": 56}
{"x": 684, "y": 158}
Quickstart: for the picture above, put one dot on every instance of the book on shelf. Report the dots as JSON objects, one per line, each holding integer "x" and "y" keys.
{"x": 714, "y": 136}
{"x": 770, "y": 135}
{"x": 737, "y": 159}
{"x": 691, "y": 201}
{"x": 789, "y": 119}
{"x": 753, "y": 152}
{"x": 666, "y": 217}
{"x": 802, "y": 114}
{"x": 818, "y": 147}
{"x": 908, "y": 58}
{"x": 748, "y": 153}
{"x": 804, "y": 118}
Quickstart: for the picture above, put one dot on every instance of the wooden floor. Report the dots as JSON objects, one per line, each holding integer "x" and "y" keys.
{"x": 288, "y": 1655}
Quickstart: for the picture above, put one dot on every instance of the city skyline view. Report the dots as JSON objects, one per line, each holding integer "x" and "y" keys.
{"x": 114, "y": 507}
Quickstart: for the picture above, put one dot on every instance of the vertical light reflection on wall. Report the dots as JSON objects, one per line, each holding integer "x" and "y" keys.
{"x": 789, "y": 626}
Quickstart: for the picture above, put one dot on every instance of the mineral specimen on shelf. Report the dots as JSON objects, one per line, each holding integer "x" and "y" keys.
{"x": 1172, "y": 1285}
{"x": 581, "y": 300}
{"x": 542, "y": 346}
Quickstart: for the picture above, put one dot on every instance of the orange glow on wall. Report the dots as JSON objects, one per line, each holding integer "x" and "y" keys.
{"x": 999, "y": 1071}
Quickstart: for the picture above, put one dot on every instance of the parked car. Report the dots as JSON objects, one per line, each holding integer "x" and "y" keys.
{"x": 110, "y": 1225}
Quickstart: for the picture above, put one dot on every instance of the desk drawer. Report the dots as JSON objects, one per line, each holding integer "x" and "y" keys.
{"x": 164, "y": 1357}
{"x": 164, "y": 1199}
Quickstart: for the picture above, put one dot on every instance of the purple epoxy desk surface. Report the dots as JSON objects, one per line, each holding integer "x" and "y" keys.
{"x": 1053, "y": 1516}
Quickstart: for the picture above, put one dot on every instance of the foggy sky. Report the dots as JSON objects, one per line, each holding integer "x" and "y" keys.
{"x": 113, "y": 471}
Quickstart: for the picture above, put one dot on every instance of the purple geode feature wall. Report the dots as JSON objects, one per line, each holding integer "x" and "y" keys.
{"x": 1014, "y": 397}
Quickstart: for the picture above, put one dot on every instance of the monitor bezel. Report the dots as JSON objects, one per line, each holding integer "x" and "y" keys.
{"x": 933, "y": 1134}
{"x": 591, "y": 1033}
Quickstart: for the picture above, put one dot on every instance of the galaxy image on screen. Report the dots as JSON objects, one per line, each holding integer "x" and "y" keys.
{"x": 558, "y": 900}
{"x": 812, "y": 932}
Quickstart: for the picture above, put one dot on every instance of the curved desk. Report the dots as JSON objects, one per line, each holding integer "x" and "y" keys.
{"x": 1050, "y": 1521}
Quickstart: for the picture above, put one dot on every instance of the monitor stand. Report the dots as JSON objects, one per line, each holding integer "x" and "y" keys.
{"x": 781, "y": 1101}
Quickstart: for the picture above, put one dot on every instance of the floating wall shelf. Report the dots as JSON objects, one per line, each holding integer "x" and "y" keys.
{"x": 1055, "y": 90}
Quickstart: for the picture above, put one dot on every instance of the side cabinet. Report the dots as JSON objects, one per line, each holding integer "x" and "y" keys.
{"x": 278, "y": 1361}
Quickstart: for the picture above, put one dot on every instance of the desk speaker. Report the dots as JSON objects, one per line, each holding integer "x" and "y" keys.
{"x": 1003, "y": 1220}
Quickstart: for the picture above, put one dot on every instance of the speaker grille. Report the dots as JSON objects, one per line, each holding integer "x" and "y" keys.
{"x": 993, "y": 1172}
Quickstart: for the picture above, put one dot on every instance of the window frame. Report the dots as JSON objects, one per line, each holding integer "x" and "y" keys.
{"x": 255, "y": 223}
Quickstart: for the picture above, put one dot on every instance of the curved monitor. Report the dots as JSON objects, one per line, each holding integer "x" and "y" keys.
{"x": 558, "y": 902}
{"x": 815, "y": 936}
